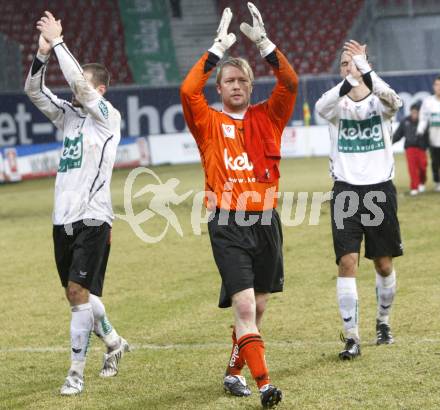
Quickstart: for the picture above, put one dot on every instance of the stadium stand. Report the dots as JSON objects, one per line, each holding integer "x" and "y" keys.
{"x": 309, "y": 33}
{"x": 149, "y": 43}
{"x": 194, "y": 31}
{"x": 392, "y": 8}
{"x": 10, "y": 76}
{"x": 402, "y": 35}
{"x": 92, "y": 30}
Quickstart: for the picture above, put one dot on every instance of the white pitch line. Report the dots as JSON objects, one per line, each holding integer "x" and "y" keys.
{"x": 202, "y": 346}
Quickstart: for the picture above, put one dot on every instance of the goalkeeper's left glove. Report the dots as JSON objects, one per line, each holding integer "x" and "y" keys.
{"x": 257, "y": 33}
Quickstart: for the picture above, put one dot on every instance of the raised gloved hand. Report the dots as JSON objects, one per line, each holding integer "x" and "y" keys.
{"x": 257, "y": 33}
{"x": 223, "y": 41}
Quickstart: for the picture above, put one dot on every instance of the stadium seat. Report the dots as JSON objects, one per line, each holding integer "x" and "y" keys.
{"x": 310, "y": 32}
{"x": 92, "y": 29}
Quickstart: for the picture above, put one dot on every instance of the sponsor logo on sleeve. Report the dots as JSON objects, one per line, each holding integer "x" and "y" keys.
{"x": 361, "y": 136}
{"x": 103, "y": 108}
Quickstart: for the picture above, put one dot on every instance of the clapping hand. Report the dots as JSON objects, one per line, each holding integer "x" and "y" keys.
{"x": 44, "y": 46}
{"x": 49, "y": 27}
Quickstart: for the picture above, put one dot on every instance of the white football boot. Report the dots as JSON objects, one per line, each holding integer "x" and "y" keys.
{"x": 112, "y": 359}
{"x": 74, "y": 384}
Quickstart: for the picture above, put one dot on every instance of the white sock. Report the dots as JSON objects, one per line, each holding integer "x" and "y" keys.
{"x": 385, "y": 290}
{"x": 81, "y": 327}
{"x": 348, "y": 306}
{"x": 102, "y": 326}
{"x": 78, "y": 366}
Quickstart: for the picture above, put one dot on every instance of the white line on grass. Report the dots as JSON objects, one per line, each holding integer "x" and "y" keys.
{"x": 201, "y": 346}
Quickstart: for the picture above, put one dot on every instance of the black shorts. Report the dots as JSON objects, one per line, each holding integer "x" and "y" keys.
{"x": 365, "y": 210}
{"x": 247, "y": 256}
{"x": 81, "y": 253}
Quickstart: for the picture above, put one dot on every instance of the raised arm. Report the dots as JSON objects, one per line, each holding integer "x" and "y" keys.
{"x": 49, "y": 104}
{"x": 423, "y": 117}
{"x": 91, "y": 100}
{"x": 390, "y": 99}
{"x": 327, "y": 105}
{"x": 195, "y": 107}
{"x": 282, "y": 99}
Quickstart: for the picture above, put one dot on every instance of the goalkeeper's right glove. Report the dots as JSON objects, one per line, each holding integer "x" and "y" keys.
{"x": 223, "y": 41}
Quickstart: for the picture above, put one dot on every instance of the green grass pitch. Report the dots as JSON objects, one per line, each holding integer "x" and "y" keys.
{"x": 162, "y": 298}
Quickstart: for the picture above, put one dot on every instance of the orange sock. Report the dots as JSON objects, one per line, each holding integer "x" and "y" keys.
{"x": 236, "y": 361}
{"x": 251, "y": 347}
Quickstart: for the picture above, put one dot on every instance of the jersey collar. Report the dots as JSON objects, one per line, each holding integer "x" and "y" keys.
{"x": 234, "y": 115}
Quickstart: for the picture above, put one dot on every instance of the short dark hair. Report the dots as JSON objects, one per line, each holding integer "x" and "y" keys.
{"x": 100, "y": 75}
{"x": 437, "y": 78}
{"x": 416, "y": 105}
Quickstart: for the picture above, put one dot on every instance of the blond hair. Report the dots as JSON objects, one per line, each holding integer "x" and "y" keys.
{"x": 237, "y": 62}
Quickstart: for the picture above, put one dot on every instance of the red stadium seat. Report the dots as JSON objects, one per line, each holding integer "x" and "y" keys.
{"x": 84, "y": 23}
{"x": 310, "y": 33}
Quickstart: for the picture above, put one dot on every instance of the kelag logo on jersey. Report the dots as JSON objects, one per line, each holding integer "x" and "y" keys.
{"x": 435, "y": 119}
{"x": 72, "y": 154}
{"x": 240, "y": 163}
{"x": 360, "y": 136}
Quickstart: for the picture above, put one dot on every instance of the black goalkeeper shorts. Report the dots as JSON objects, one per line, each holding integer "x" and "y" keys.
{"x": 247, "y": 256}
{"x": 81, "y": 253}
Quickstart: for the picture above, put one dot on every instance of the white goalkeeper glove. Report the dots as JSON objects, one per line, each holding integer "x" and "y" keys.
{"x": 257, "y": 33}
{"x": 223, "y": 41}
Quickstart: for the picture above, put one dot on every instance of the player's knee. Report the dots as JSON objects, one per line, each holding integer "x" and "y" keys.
{"x": 384, "y": 266}
{"x": 76, "y": 294}
{"x": 347, "y": 265}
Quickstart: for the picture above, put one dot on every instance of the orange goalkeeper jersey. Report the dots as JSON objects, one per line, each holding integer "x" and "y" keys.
{"x": 229, "y": 177}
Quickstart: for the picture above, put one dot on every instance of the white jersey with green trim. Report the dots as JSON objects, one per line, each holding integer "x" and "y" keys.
{"x": 430, "y": 115}
{"x": 360, "y": 133}
{"x": 91, "y": 135}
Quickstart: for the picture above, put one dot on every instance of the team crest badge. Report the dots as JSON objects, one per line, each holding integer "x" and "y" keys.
{"x": 228, "y": 130}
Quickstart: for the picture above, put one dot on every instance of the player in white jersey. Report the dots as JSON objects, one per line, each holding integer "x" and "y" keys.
{"x": 430, "y": 116}
{"x": 82, "y": 214}
{"x": 364, "y": 203}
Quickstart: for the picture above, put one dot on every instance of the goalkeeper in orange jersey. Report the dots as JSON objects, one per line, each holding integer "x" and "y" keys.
{"x": 240, "y": 151}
